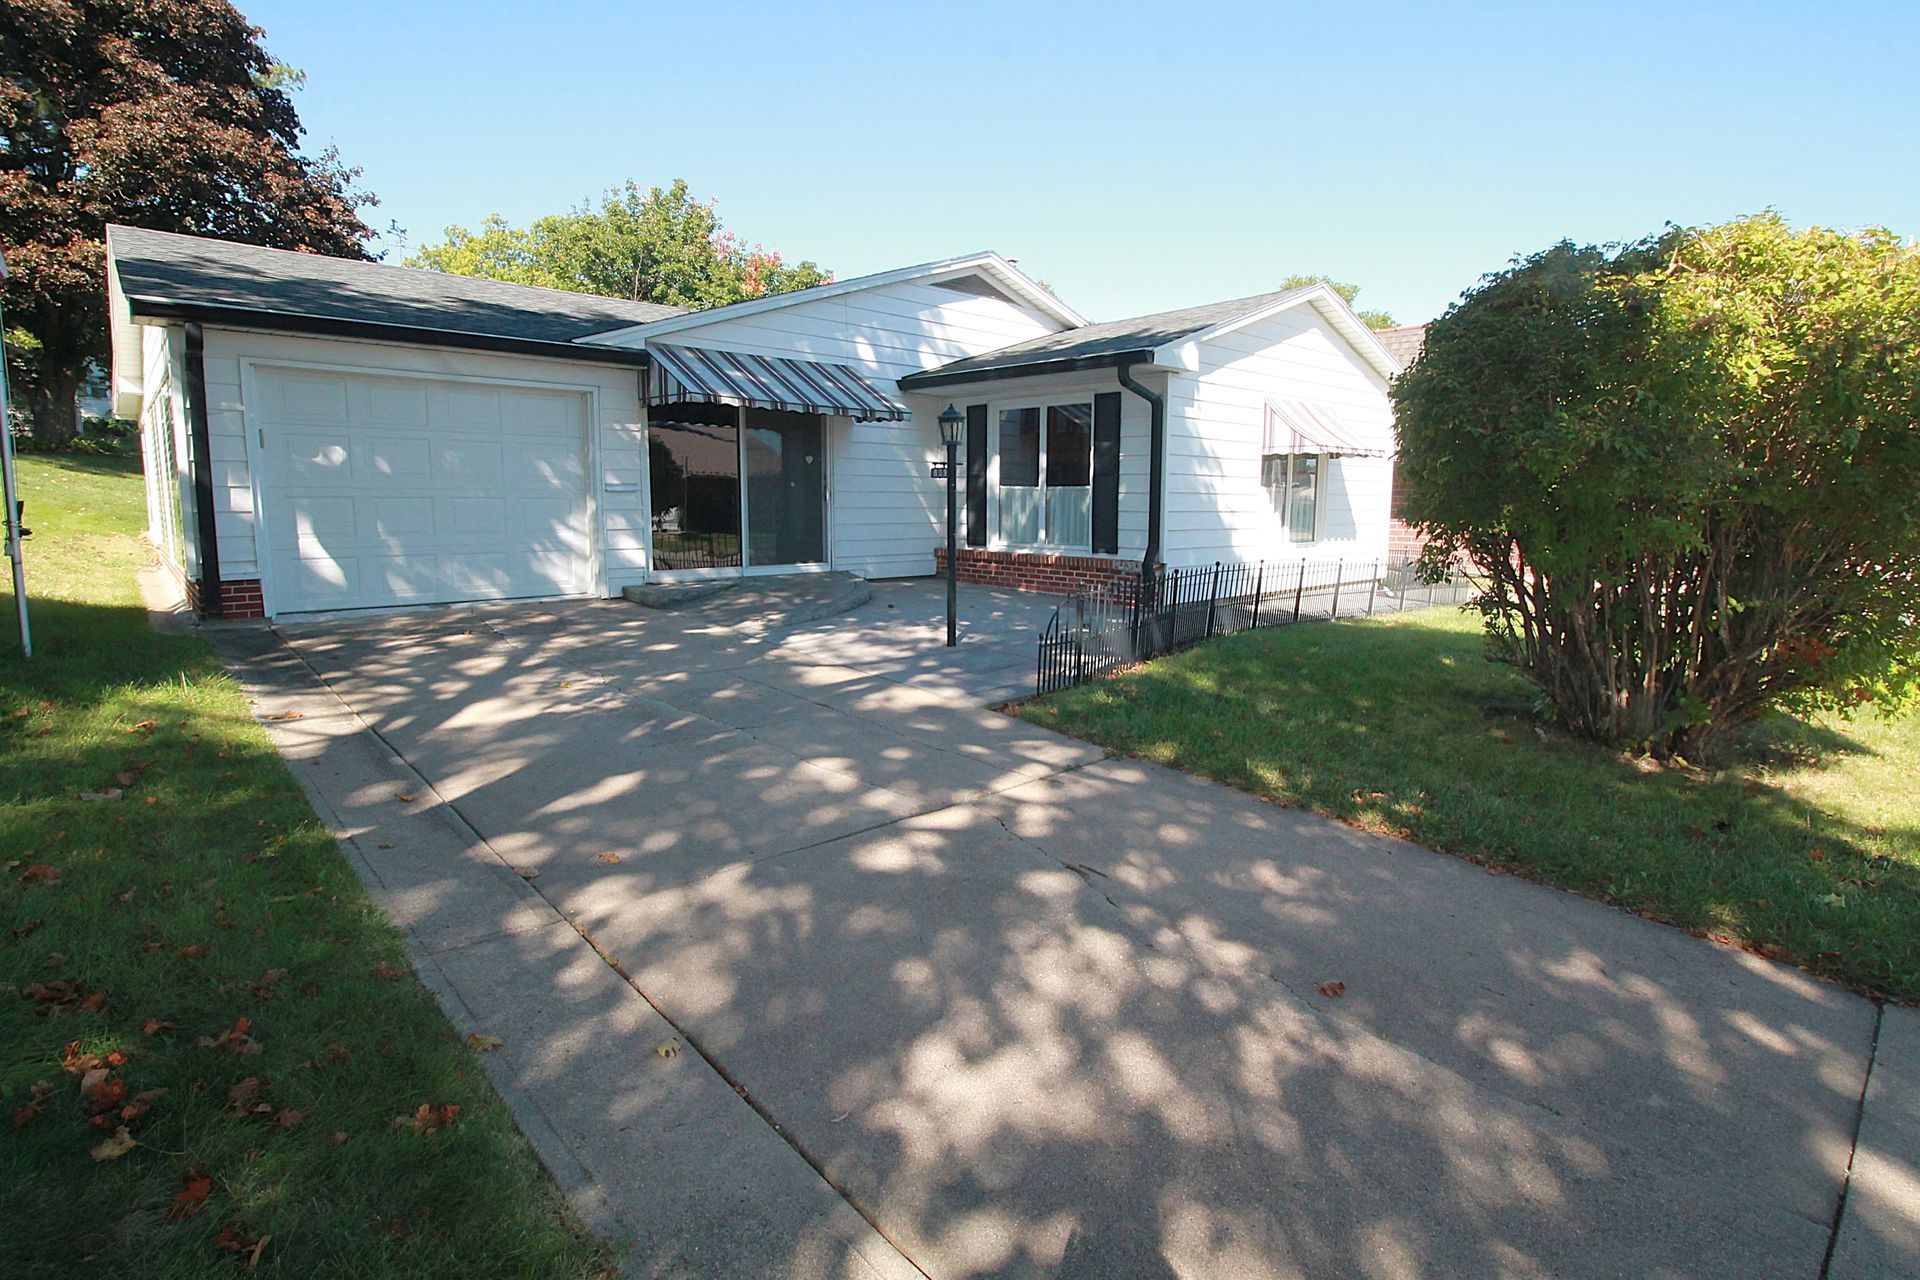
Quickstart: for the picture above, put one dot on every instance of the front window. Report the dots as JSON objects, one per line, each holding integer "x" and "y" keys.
{"x": 1292, "y": 481}
{"x": 1046, "y": 475}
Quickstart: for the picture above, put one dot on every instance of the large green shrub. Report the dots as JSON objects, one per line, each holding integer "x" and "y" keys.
{"x": 1690, "y": 468}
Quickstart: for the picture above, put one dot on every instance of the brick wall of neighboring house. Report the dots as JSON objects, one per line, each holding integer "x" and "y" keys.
{"x": 1035, "y": 571}
{"x": 239, "y": 598}
{"x": 1404, "y": 541}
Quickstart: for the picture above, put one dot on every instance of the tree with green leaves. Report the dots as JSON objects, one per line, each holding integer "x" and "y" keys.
{"x": 1688, "y": 468}
{"x": 157, "y": 113}
{"x": 1347, "y": 292}
{"x": 646, "y": 245}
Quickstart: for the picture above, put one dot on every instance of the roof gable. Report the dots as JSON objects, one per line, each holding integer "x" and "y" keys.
{"x": 999, "y": 275}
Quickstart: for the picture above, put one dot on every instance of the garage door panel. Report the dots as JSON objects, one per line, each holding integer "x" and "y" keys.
{"x": 307, "y": 398}
{"x": 427, "y": 492}
{"x": 463, "y": 516}
{"x": 396, "y": 403}
{"x": 322, "y": 458}
{"x": 469, "y": 460}
{"x": 386, "y": 458}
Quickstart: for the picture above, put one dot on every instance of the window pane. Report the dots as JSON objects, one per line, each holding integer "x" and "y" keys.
{"x": 1070, "y": 516}
{"x": 694, "y": 467}
{"x": 1303, "y": 497}
{"x": 1273, "y": 477}
{"x": 786, "y": 492}
{"x": 1069, "y": 446}
{"x": 1020, "y": 475}
{"x": 1019, "y": 448}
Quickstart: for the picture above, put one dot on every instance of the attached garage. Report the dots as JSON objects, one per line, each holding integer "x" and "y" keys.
{"x": 387, "y": 491}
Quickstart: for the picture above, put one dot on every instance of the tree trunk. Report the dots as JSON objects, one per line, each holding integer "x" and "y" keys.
{"x": 50, "y": 409}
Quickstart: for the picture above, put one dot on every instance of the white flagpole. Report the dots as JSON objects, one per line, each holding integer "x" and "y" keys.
{"x": 12, "y": 493}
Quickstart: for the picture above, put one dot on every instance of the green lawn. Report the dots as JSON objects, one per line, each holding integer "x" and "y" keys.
{"x": 164, "y": 878}
{"x": 1806, "y": 847}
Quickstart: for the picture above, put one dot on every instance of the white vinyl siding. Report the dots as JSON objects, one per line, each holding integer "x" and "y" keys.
{"x": 1217, "y": 506}
{"x": 887, "y": 512}
{"x": 616, "y": 488}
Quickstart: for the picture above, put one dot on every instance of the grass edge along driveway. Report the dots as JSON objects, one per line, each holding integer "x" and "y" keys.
{"x": 1805, "y": 847}
{"x": 213, "y": 1050}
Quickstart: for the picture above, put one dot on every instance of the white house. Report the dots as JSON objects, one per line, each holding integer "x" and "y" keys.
{"x": 325, "y": 434}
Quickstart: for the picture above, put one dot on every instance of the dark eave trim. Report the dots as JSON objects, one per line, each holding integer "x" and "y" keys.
{"x": 200, "y": 464}
{"x": 1038, "y": 369}
{"x": 330, "y": 327}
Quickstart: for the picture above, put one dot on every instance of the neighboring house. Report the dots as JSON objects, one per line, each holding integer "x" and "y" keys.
{"x": 1404, "y": 541}
{"x": 326, "y": 434}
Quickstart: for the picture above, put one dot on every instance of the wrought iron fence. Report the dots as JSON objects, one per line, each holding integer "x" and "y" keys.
{"x": 1132, "y": 620}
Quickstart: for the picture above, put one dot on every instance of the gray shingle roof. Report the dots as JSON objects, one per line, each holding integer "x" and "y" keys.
{"x": 1403, "y": 343}
{"x": 1112, "y": 338}
{"x": 192, "y": 272}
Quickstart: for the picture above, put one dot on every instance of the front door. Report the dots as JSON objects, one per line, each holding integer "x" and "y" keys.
{"x": 784, "y": 467}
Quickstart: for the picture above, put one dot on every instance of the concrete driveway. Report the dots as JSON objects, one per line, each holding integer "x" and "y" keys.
{"x": 955, "y": 996}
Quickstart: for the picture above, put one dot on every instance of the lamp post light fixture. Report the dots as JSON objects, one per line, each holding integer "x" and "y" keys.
{"x": 952, "y": 424}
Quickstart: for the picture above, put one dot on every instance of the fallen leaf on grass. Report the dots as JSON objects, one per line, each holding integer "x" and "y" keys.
{"x": 144, "y": 726}
{"x": 195, "y": 1187}
{"x": 338, "y": 1053}
{"x": 113, "y": 1148}
{"x": 337, "y": 1138}
{"x": 242, "y": 1097}
{"x": 1333, "y": 990}
{"x": 480, "y": 1042}
{"x": 387, "y": 973}
{"x": 234, "y": 1240}
{"x": 141, "y": 1104}
{"x": 27, "y": 928}
{"x": 1817, "y": 854}
{"x": 38, "y": 873}
{"x": 56, "y": 998}
{"x": 429, "y": 1117}
{"x": 288, "y": 1118}
{"x": 193, "y": 951}
{"x": 23, "y": 1116}
{"x": 267, "y": 985}
{"x": 234, "y": 1039}
{"x": 56, "y": 960}
{"x": 154, "y": 1026}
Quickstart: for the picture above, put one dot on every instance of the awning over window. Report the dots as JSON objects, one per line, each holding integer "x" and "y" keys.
{"x": 706, "y": 376}
{"x": 1301, "y": 426}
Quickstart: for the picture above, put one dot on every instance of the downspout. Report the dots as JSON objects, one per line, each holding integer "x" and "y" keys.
{"x": 200, "y": 463}
{"x": 1156, "y": 469}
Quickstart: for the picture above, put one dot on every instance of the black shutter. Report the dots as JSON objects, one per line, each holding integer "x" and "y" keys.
{"x": 1106, "y": 472}
{"x": 976, "y": 475}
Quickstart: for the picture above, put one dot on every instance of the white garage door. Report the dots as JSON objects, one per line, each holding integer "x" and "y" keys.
{"x": 383, "y": 491}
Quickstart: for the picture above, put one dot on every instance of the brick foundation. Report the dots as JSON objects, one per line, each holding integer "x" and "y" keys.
{"x": 1035, "y": 571}
{"x": 239, "y": 598}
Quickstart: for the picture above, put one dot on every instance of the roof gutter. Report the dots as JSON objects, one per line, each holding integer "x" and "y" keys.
{"x": 932, "y": 378}
{"x": 200, "y": 463}
{"x": 1156, "y": 468}
{"x": 327, "y": 326}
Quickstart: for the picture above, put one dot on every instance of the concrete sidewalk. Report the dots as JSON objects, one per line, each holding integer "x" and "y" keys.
{"x": 961, "y": 997}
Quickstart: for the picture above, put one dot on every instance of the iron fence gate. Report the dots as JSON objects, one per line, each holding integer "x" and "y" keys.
{"x": 1131, "y": 620}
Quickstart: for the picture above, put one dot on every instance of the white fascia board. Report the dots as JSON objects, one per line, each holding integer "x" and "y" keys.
{"x": 1324, "y": 300}
{"x": 987, "y": 264}
{"x": 126, "y": 361}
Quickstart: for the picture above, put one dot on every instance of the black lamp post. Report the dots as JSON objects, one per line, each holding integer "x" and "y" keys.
{"x": 952, "y": 423}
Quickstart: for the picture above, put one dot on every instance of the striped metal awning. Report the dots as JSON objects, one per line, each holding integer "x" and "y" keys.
{"x": 708, "y": 376}
{"x": 1301, "y": 426}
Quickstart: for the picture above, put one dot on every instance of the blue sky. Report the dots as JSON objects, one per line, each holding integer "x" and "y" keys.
{"x": 1135, "y": 156}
